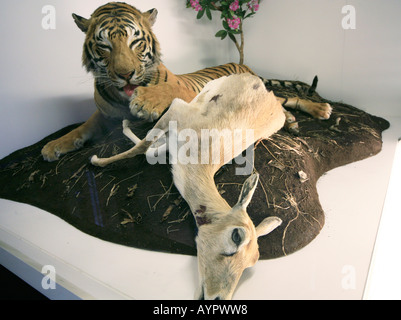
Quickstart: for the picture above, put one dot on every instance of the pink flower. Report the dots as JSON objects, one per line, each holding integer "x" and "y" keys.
{"x": 195, "y": 4}
{"x": 234, "y": 6}
{"x": 234, "y": 23}
{"x": 253, "y": 5}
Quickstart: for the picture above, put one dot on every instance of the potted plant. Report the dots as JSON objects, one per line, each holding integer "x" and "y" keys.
{"x": 233, "y": 14}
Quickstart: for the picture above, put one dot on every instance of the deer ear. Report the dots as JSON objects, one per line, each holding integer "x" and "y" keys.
{"x": 247, "y": 191}
{"x": 81, "y": 22}
{"x": 267, "y": 226}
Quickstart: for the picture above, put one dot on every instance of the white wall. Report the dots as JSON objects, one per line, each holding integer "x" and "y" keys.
{"x": 302, "y": 38}
{"x": 43, "y": 86}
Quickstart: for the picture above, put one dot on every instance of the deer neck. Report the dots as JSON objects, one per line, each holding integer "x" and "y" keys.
{"x": 196, "y": 185}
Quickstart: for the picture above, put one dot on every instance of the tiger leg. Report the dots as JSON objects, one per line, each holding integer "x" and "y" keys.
{"x": 290, "y": 122}
{"x": 317, "y": 110}
{"x": 75, "y": 139}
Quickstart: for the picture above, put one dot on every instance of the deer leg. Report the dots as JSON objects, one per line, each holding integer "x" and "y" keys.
{"x": 140, "y": 148}
{"x": 159, "y": 145}
{"x": 128, "y": 133}
{"x": 141, "y": 145}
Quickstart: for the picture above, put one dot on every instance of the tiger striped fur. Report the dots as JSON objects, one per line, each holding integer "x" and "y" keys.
{"x": 123, "y": 54}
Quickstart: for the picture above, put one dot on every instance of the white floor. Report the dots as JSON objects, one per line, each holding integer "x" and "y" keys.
{"x": 334, "y": 266}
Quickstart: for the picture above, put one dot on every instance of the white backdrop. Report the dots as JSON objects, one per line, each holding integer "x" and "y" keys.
{"x": 43, "y": 86}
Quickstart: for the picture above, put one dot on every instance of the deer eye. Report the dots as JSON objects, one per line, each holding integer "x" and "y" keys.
{"x": 236, "y": 237}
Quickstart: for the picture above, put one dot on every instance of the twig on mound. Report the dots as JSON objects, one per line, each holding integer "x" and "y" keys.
{"x": 77, "y": 176}
{"x": 43, "y": 178}
{"x": 161, "y": 196}
{"x": 287, "y": 144}
{"x": 113, "y": 192}
{"x": 112, "y": 179}
{"x": 116, "y": 186}
{"x": 267, "y": 149}
{"x": 293, "y": 203}
{"x": 130, "y": 177}
{"x": 131, "y": 190}
{"x": 130, "y": 218}
{"x": 264, "y": 191}
{"x": 32, "y": 175}
{"x": 183, "y": 218}
{"x": 28, "y": 163}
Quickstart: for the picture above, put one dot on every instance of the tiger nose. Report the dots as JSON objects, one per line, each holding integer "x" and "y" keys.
{"x": 126, "y": 75}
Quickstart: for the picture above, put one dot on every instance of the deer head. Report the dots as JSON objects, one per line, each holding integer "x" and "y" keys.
{"x": 227, "y": 244}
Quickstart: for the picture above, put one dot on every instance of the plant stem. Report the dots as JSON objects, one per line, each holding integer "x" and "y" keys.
{"x": 240, "y": 46}
{"x": 241, "y": 51}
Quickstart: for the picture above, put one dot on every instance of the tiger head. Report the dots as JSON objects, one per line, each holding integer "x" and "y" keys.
{"x": 120, "y": 49}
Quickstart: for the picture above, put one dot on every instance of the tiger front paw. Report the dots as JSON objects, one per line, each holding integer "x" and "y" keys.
{"x": 54, "y": 149}
{"x": 148, "y": 103}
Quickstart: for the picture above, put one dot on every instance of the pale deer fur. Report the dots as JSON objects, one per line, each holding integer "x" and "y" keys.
{"x": 227, "y": 238}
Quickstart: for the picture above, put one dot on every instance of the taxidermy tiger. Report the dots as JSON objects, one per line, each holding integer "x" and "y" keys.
{"x": 123, "y": 54}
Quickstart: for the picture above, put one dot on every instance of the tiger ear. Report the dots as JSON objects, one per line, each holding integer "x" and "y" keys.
{"x": 81, "y": 22}
{"x": 151, "y": 15}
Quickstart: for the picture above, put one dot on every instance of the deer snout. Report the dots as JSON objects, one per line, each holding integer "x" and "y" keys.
{"x": 215, "y": 297}
{"x": 208, "y": 290}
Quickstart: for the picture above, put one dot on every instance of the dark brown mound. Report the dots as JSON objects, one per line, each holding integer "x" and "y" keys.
{"x": 136, "y": 204}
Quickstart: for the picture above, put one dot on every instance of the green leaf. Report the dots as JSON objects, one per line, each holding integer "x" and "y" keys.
{"x": 232, "y": 37}
{"x": 225, "y": 25}
{"x": 249, "y": 15}
{"x": 200, "y": 14}
{"x": 208, "y": 13}
{"x": 221, "y": 34}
